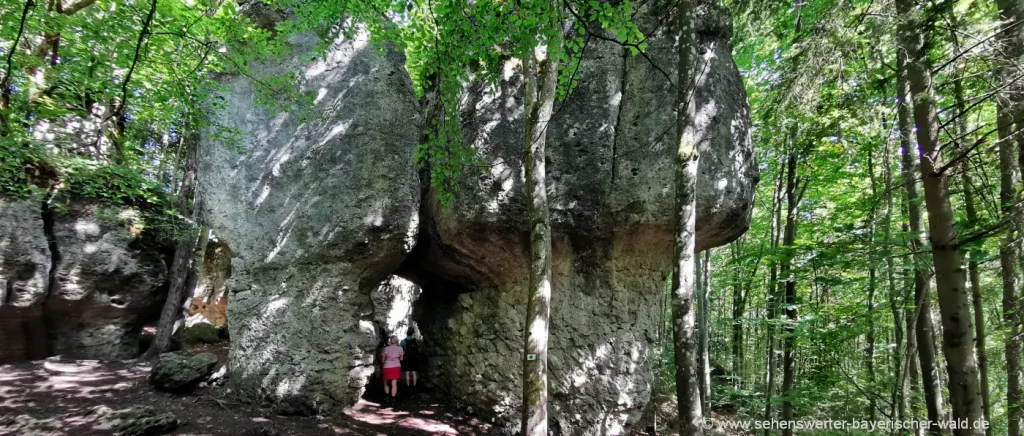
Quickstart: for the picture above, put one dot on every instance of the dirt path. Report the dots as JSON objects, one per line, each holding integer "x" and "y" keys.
{"x": 62, "y": 391}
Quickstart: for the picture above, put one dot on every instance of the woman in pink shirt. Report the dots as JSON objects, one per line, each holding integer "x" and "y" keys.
{"x": 392, "y": 356}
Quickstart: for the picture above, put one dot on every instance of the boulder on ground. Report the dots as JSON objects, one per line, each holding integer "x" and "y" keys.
{"x": 133, "y": 421}
{"x": 178, "y": 372}
{"x": 201, "y": 333}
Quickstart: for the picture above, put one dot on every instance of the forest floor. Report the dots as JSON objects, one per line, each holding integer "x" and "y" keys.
{"x": 60, "y": 394}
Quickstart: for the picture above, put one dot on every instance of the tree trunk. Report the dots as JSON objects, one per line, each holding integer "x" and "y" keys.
{"x": 180, "y": 265}
{"x": 958, "y": 346}
{"x": 972, "y": 220}
{"x": 772, "y": 301}
{"x": 691, "y": 414}
{"x": 738, "y": 308}
{"x": 703, "y": 299}
{"x": 918, "y": 315}
{"x": 1011, "y": 302}
{"x": 541, "y": 78}
{"x": 899, "y": 392}
{"x": 789, "y": 339}
{"x": 1008, "y": 111}
{"x": 869, "y": 351}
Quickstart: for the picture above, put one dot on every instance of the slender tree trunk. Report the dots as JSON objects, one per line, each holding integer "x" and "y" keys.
{"x": 919, "y": 315}
{"x": 540, "y": 70}
{"x": 738, "y": 309}
{"x": 772, "y": 301}
{"x": 958, "y": 347}
{"x": 789, "y": 340}
{"x": 691, "y": 414}
{"x": 737, "y": 329}
{"x": 899, "y": 392}
{"x": 180, "y": 265}
{"x": 1011, "y": 299}
{"x": 972, "y": 270}
{"x": 704, "y": 276}
{"x": 1009, "y": 111}
{"x": 972, "y": 220}
{"x": 869, "y": 351}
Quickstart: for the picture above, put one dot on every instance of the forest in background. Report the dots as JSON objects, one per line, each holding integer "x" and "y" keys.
{"x": 836, "y": 304}
{"x": 834, "y": 269}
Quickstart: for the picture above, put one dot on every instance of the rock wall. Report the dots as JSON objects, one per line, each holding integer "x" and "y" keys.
{"x": 319, "y": 206}
{"x": 210, "y": 297}
{"x": 393, "y": 305}
{"x": 610, "y": 189}
{"x": 75, "y": 281}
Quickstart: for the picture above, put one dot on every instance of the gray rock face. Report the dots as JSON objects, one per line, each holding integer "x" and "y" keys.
{"x": 75, "y": 282}
{"x": 318, "y": 208}
{"x": 107, "y": 289}
{"x": 610, "y": 179}
{"x": 393, "y": 306}
{"x": 178, "y": 372}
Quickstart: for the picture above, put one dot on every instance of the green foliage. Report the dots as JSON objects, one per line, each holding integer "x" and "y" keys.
{"x": 825, "y": 88}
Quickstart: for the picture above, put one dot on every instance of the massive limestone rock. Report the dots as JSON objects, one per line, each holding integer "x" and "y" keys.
{"x": 76, "y": 281}
{"x": 319, "y": 206}
{"x": 610, "y": 181}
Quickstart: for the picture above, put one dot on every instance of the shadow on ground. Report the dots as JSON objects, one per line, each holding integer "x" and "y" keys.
{"x": 55, "y": 395}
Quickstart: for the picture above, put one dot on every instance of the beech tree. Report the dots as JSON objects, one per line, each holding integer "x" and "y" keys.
{"x": 687, "y": 157}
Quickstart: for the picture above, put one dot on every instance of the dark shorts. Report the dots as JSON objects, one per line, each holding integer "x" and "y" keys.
{"x": 411, "y": 364}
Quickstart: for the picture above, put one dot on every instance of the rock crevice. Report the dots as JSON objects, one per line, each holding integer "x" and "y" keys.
{"x": 75, "y": 285}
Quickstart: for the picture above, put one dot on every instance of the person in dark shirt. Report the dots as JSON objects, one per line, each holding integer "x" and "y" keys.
{"x": 411, "y": 363}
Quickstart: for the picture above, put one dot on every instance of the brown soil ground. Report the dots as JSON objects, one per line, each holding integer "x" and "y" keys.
{"x": 59, "y": 388}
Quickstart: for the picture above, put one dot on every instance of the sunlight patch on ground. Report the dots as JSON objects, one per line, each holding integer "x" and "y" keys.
{"x": 373, "y": 414}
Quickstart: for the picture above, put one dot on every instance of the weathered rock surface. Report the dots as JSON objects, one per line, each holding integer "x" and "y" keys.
{"x": 178, "y": 372}
{"x": 210, "y": 298}
{"x": 610, "y": 150}
{"x": 318, "y": 207}
{"x": 132, "y": 421}
{"x": 75, "y": 282}
{"x": 393, "y": 304}
{"x": 201, "y": 333}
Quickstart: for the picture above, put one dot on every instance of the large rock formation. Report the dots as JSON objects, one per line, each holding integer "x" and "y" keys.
{"x": 610, "y": 181}
{"x": 319, "y": 206}
{"x": 319, "y": 209}
{"x": 75, "y": 281}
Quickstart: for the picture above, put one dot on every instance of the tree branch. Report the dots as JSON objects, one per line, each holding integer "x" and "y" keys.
{"x": 135, "y": 61}
{"x": 14, "y": 47}
{"x": 73, "y": 8}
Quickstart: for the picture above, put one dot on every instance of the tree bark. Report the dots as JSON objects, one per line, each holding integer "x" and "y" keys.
{"x": 703, "y": 297}
{"x": 1011, "y": 299}
{"x": 1008, "y": 112}
{"x": 540, "y": 70}
{"x": 960, "y": 115}
{"x": 772, "y": 301}
{"x": 739, "y": 303}
{"x": 786, "y": 273}
{"x": 869, "y": 351}
{"x": 899, "y": 392}
{"x": 687, "y": 157}
{"x": 958, "y": 347}
{"x": 918, "y": 315}
{"x": 180, "y": 265}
